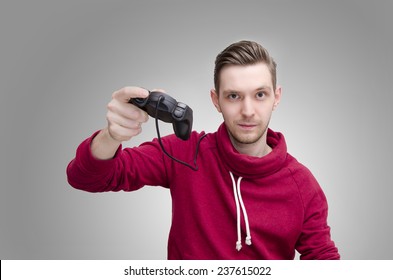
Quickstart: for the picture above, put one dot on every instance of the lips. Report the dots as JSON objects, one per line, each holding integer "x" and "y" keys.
{"x": 247, "y": 126}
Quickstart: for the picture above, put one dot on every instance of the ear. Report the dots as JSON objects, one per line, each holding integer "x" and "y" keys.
{"x": 277, "y": 97}
{"x": 214, "y": 97}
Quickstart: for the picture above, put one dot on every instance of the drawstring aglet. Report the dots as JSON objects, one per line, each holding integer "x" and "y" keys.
{"x": 248, "y": 240}
{"x": 238, "y": 245}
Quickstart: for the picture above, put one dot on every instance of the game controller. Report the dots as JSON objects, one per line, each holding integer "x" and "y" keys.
{"x": 167, "y": 109}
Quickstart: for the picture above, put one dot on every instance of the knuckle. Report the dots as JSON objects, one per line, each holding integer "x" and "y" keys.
{"x": 108, "y": 114}
{"x": 111, "y": 105}
{"x": 116, "y": 93}
{"x": 145, "y": 117}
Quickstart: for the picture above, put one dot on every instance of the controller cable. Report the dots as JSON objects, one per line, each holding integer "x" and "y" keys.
{"x": 195, "y": 167}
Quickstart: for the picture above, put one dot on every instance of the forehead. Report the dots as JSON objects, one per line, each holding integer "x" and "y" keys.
{"x": 245, "y": 78}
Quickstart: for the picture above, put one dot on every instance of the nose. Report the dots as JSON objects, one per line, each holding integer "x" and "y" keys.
{"x": 247, "y": 109}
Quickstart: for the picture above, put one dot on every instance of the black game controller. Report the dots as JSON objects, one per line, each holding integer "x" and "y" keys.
{"x": 168, "y": 110}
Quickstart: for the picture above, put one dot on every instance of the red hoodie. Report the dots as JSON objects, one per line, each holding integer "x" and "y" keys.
{"x": 272, "y": 203}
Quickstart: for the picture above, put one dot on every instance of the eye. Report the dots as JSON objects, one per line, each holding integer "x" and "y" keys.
{"x": 233, "y": 96}
{"x": 260, "y": 95}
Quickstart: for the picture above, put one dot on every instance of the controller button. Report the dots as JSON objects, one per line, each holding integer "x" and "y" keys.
{"x": 178, "y": 113}
{"x": 139, "y": 100}
{"x": 181, "y": 105}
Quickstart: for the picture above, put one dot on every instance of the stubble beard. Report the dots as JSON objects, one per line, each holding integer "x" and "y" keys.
{"x": 244, "y": 138}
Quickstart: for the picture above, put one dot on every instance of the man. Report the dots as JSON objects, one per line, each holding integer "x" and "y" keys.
{"x": 249, "y": 199}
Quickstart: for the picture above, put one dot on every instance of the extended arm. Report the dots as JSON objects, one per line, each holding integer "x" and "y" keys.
{"x": 101, "y": 165}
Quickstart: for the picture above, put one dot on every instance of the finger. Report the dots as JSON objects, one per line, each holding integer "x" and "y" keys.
{"x": 120, "y": 133}
{"x": 127, "y": 110}
{"x": 126, "y": 93}
{"x": 117, "y": 119}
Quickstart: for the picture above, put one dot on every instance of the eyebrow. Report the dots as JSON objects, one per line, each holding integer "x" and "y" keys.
{"x": 237, "y": 91}
{"x": 264, "y": 88}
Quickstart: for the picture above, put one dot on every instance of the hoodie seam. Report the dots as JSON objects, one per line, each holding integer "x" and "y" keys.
{"x": 298, "y": 190}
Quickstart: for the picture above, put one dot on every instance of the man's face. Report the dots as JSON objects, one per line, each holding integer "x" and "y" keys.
{"x": 246, "y": 100}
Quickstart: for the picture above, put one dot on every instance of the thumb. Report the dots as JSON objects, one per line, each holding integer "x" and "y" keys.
{"x": 126, "y": 93}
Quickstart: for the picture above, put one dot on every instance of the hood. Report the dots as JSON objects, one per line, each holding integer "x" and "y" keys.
{"x": 248, "y": 166}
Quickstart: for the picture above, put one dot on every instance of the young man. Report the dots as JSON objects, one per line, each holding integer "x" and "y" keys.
{"x": 249, "y": 198}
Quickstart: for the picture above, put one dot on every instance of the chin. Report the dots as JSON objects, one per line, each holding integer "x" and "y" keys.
{"x": 250, "y": 137}
{"x": 243, "y": 138}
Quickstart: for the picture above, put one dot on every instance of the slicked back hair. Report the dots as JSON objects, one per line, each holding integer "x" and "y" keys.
{"x": 243, "y": 53}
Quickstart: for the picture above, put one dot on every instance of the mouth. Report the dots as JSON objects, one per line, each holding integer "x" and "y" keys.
{"x": 247, "y": 126}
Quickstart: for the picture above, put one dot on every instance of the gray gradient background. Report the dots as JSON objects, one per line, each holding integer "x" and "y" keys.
{"x": 60, "y": 61}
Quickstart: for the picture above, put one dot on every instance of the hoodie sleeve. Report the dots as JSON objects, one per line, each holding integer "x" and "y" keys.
{"x": 315, "y": 240}
{"x": 130, "y": 169}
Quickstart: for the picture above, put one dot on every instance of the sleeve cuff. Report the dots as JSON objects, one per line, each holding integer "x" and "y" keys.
{"x": 89, "y": 162}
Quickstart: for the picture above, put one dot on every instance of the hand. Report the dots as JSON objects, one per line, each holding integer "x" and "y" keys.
{"x": 125, "y": 119}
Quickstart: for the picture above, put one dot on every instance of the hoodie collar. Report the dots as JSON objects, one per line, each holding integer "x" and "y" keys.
{"x": 248, "y": 166}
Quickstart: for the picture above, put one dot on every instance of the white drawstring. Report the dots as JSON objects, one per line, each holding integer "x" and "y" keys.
{"x": 239, "y": 200}
{"x": 239, "y": 242}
